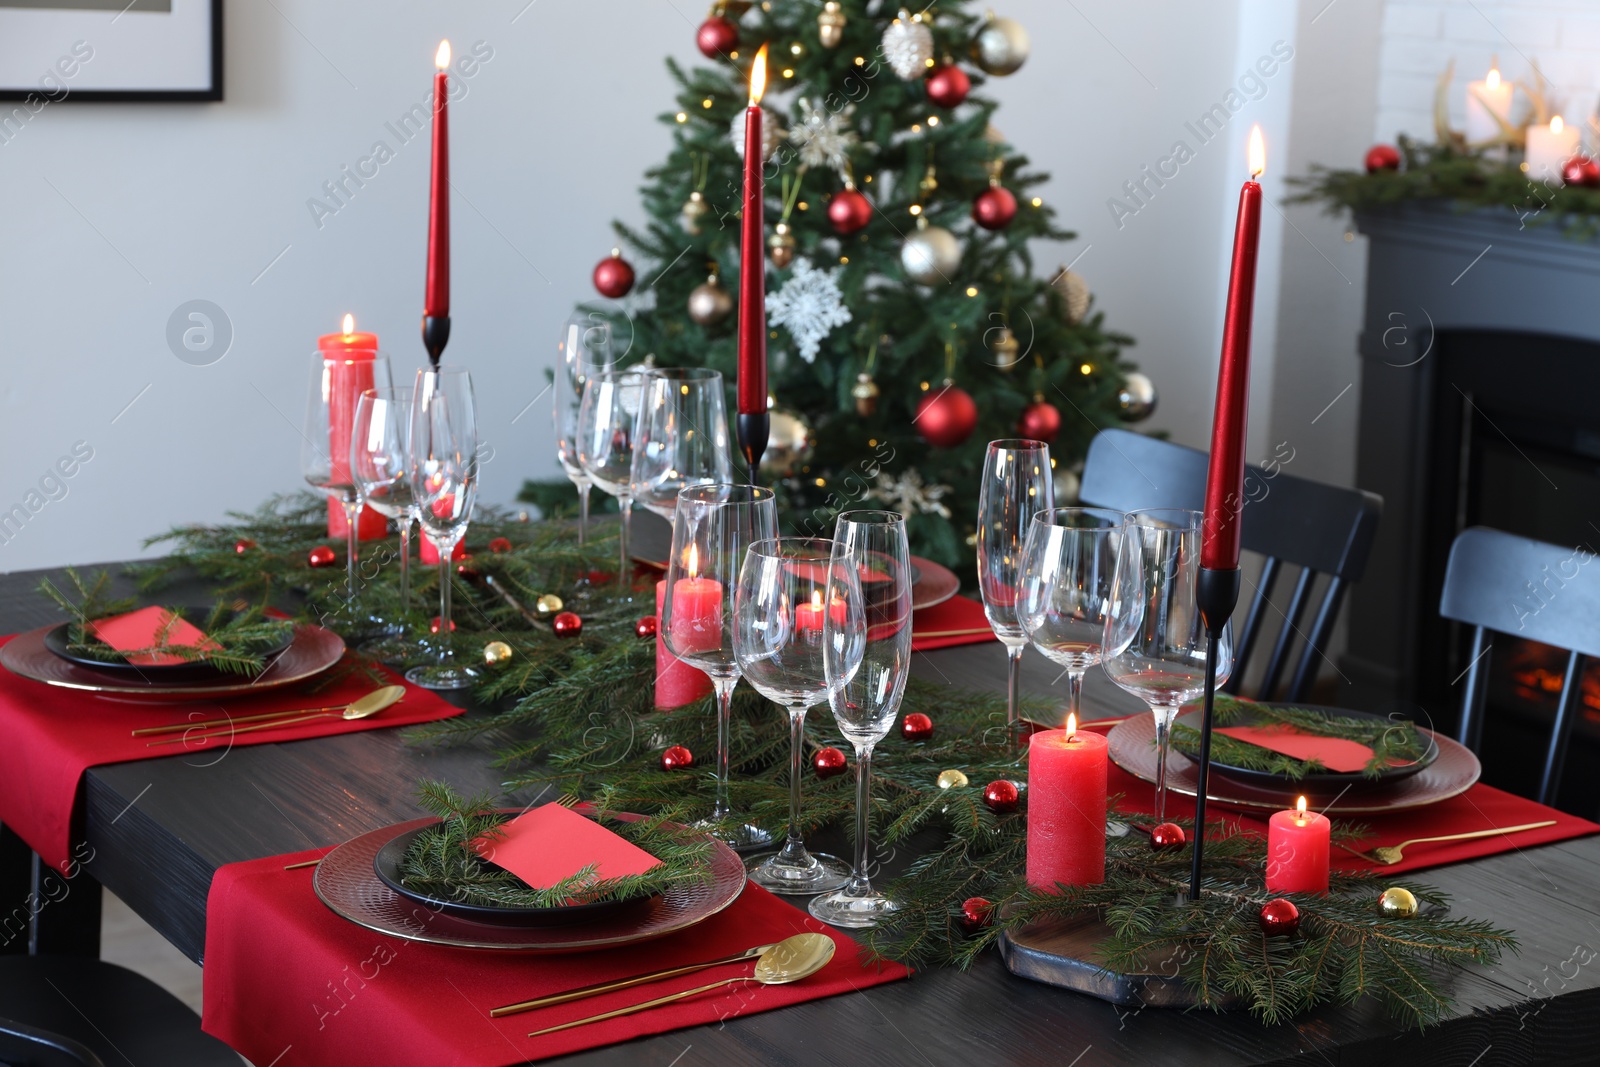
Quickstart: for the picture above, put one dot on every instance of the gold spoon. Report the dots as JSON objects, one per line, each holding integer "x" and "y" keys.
{"x": 1389, "y": 855}
{"x": 369, "y": 705}
{"x": 630, "y": 982}
{"x": 790, "y": 960}
{"x": 293, "y": 713}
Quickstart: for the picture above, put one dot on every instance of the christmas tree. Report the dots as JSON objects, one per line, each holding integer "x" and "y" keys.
{"x": 907, "y": 325}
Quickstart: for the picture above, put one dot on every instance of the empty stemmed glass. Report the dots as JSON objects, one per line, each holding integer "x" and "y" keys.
{"x": 682, "y": 438}
{"x": 380, "y": 460}
{"x": 866, "y": 657}
{"x": 778, "y": 631}
{"x": 1154, "y": 644}
{"x": 584, "y": 350}
{"x": 608, "y": 422}
{"x": 337, "y": 382}
{"x": 1016, "y": 486}
{"x": 712, "y": 528}
{"x": 444, "y": 482}
{"x": 1068, "y": 563}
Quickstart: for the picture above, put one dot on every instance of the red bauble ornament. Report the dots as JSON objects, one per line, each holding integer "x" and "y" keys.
{"x": 1382, "y": 157}
{"x": 1581, "y": 170}
{"x": 500, "y": 544}
{"x": 1279, "y": 918}
{"x": 946, "y": 416}
{"x": 646, "y": 626}
{"x": 433, "y": 627}
{"x": 1041, "y": 421}
{"x": 677, "y": 758}
{"x": 1001, "y": 796}
{"x": 828, "y": 762}
{"x": 849, "y": 212}
{"x": 916, "y": 727}
{"x": 567, "y": 624}
{"x": 717, "y": 37}
{"x": 467, "y": 570}
{"x": 975, "y": 912}
{"x": 613, "y": 276}
{"x": 995, "y": 208}
{"x": 1168, "y": 835}
{"x": 947, "y": 85}
{"x": 243, "y": 545}
{"x": 321, "y": 556}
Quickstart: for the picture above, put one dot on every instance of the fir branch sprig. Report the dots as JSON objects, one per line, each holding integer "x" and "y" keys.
{"x": 1393, "y": 741}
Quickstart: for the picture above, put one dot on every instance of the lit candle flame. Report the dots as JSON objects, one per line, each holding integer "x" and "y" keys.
{"x": 349, "y": 325}
{"x": 816, "y": 599}
{"x": 1072, "y": 726}
{"x": 694, "y": 561}
{"x": 1258, "y": 153}
{"x": 758, "y": 76}
{"x": 1492, "y": 82}
{"x": 1300, "y": 811}
{"x": 441, "y": 58}
{"x": 1557, "y": 124}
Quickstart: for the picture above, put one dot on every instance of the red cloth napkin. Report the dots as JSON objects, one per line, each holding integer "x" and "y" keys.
{"x": 947, "y": 620}
{"x": 52, "y": 735}
{"x": 289, "y": 983}
{"x": 1480, "y": 808}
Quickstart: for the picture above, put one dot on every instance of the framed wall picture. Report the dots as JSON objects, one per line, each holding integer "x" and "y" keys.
{"x": 54, "y": 51}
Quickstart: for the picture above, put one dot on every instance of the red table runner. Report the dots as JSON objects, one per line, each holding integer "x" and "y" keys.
{"x": 52, "y": 735}
{"x": 289, "y": 983}
{"x": 957, "y": 621}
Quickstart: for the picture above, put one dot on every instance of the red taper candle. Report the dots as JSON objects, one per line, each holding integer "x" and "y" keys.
{"x": 437, "y": 300}
{"x": 752, "y": 397}
{"x": 1219, "y": 549}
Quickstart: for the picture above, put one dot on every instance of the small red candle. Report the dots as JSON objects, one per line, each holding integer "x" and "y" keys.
{"x": 437, "y": 299}
{"x": 677, "y": 683}
{"x": 809, "y": 616}
{"x": 696, "y": 610}
{"x": 347, "y": 360}
{"x": 1219, "y": 549}
{"x": 1297, "y": 851}
{"x": 1066, "y": 808}
{"x": 752, "y": 388}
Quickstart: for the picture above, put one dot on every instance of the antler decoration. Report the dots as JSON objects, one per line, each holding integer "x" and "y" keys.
{"x": 1513, "y": 135}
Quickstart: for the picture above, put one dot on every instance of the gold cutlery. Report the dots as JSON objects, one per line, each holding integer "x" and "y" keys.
{"x": 951, "y": 633}
{"x": 389, "y": 694}
{"x": 790, "y": 960}
{"x": 627, "y": 983}
{"x": 367, "y": 706}
{"x": 1389, "y": 855}
{"x": 302, "y": 865}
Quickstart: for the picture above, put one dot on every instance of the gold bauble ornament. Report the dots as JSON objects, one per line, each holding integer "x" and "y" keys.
{"x": 865, "y": 394}
{"x": 788, "y": 443}
{"x": 694, "y": 209}
{"x": 951, "y": 779}
{"x": 830, "y": 25}
{"x": 497, "y": 653}
{"x": 1005, "y": 346}
{"x": 930, "y": 255}
{"x": 1397, "y": 903}
{"x": 548, "y": 604}
{"x": 710, "y": 303}
{"x": 1001, "y": 46}
{"x": 1074, "y": 295}
{"x": 1137, "y": 397}
{"x": 929, "y": 183}
{"x": 780, "y": 246}
{"x": 1067, "y": 486}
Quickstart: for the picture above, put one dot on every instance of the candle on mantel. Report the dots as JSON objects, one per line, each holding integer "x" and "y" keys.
{"x": 1488, "y": 104}
{"x": 1219, "y": 547}
{"x": 1549, "y": 148}
{"x": 436, "y": 301}
{"x": 1297, "y": 851}
{"x": 677, "y": 683}
{"x": 1066, "y": 808}
{"x": 752, "y": 362}
{"x": 347, "y": 362}
{"x": 696, "y": 609}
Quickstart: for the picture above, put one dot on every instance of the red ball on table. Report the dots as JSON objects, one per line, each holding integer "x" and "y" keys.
{"x": 321, "y": 556}
{"x": 1041, "y": 421}
{"x": 849, "y": 212}
{"x": 994, "y": 208}
{"x": 946, "y": 416}
{"x": 646, "y": 626}
{"x": 1581, "y": 170}
{"x": 500, "y": 544}
{"x": 1382, "y": 157}
{"x": 613, "y": 276}
{"x": 1168, "y": 835}
{"x": 1279, "y": 918}
{"x": 828, "y": 762}
{"x": 916, "y": 727}
{"x": 567, "y": 624}
{"x": 1001, "y": 796}
{"x": 677, "y": 758}
{"x": 717, "y": 37}
{"x": 975, "y": 913}
{"x": 947, "y": 85}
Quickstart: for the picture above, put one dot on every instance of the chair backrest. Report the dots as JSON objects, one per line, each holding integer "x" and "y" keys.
{"x": 1321, "y": 529}
{"x": 1499, "y": 582}
{"x": 23, "y": 1044}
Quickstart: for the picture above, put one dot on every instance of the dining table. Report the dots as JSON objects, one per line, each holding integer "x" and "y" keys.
{"x": 160, "y": 828}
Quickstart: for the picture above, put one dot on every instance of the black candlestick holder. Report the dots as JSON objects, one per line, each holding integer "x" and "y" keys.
{"x": 753, "y": 431}
{"x": 1216, "y": 594}
{"x": 435, "y": 335}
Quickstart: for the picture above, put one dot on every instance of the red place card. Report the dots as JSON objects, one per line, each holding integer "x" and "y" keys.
{"x": 143, "y": 629}
{"x": 551, "y": 843}
{"x": 1334, "y": 753}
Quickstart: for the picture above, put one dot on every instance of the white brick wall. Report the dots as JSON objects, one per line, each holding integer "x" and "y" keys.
{"x": 1421, "y": 36}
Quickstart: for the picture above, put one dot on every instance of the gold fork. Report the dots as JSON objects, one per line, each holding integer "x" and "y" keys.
{"x": 1389, "y": 855}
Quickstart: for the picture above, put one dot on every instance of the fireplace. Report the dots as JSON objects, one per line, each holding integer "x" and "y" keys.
{"x": 1480, "y": 405}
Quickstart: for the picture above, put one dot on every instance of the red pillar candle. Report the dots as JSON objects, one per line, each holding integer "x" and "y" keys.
{"x": 347, "y": 360}
{"x": 436, "y": 302}
{"x": 1297, "y": 851}
{"x": 696, "y": 610}
{"x": 677, "y": 683}
{"x": 752, "y": 386}
{"x": 1219, "y": 548}
{"x": 1066, "y": 808}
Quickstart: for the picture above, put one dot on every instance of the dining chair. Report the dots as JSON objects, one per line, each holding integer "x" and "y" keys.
{"x": 1323, "y": 530}
{"x": 1497, "y": 582}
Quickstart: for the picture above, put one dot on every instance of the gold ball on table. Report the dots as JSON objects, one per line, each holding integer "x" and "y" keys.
{"x": 548, "y": 604}
{"x": 497, "y": 653}
{"x": 1397, "y": 903}
{"x": 951, "y": 779}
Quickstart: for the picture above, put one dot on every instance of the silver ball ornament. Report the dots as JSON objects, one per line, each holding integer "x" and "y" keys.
{"x": 1067, "y": 485}
{"x": 1001, "y": 46}
{"x": 930, "y": 255}
{"x": 1137, "y": 397}
{"x": 788, "y": 442}
{"x": 710, "y": 303}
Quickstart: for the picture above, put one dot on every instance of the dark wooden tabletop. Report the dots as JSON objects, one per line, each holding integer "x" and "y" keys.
{"x": 161, "y": 827}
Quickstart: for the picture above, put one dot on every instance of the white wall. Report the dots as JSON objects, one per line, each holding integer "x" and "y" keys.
{"x": 118, "y": 214}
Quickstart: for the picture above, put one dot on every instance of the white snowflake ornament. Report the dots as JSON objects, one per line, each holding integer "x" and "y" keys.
{"x": 809, "y": 306}
{"x": 823, "y": 136}
{"x": 909, "y": 494}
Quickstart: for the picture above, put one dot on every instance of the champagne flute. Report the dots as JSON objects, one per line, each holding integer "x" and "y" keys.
{"x": 444, "y": 482}
{"x": 1155, "y": 642}
{"x": 337, "y": 381}
{"x": 380, "y": 459}
{"x": 608, "y": 422}
{"x": 779, "y": 611}
{"x": 867, "y": 658}
{"x": 712, "y": 528}
{"x": 683, "y": 437}
{"x": 1017, "y": 485}
{"x": 584, "y": 350}
{"x": 1068, "y": 562}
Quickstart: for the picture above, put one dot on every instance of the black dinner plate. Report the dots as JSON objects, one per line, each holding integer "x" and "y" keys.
{"x": 59, "y": 639}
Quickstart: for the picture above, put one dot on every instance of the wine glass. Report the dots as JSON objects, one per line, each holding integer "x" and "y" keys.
{"x": 711, "y": 530}
{"x": 866, "y": 657}
{"x": 1155, "y": 642}
{"x": 779, "y": 611}
{"x": 444, "y": 482}
{"x": 1068, "y": 561}
{"x": 380, "y": 460}
{"x": 337, "y": 382}
{"x": 584, "y": 350}
{"x": 1016, "y": 486}
{"x": 608, "y": 423}
{"x": 682, "y": 438}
